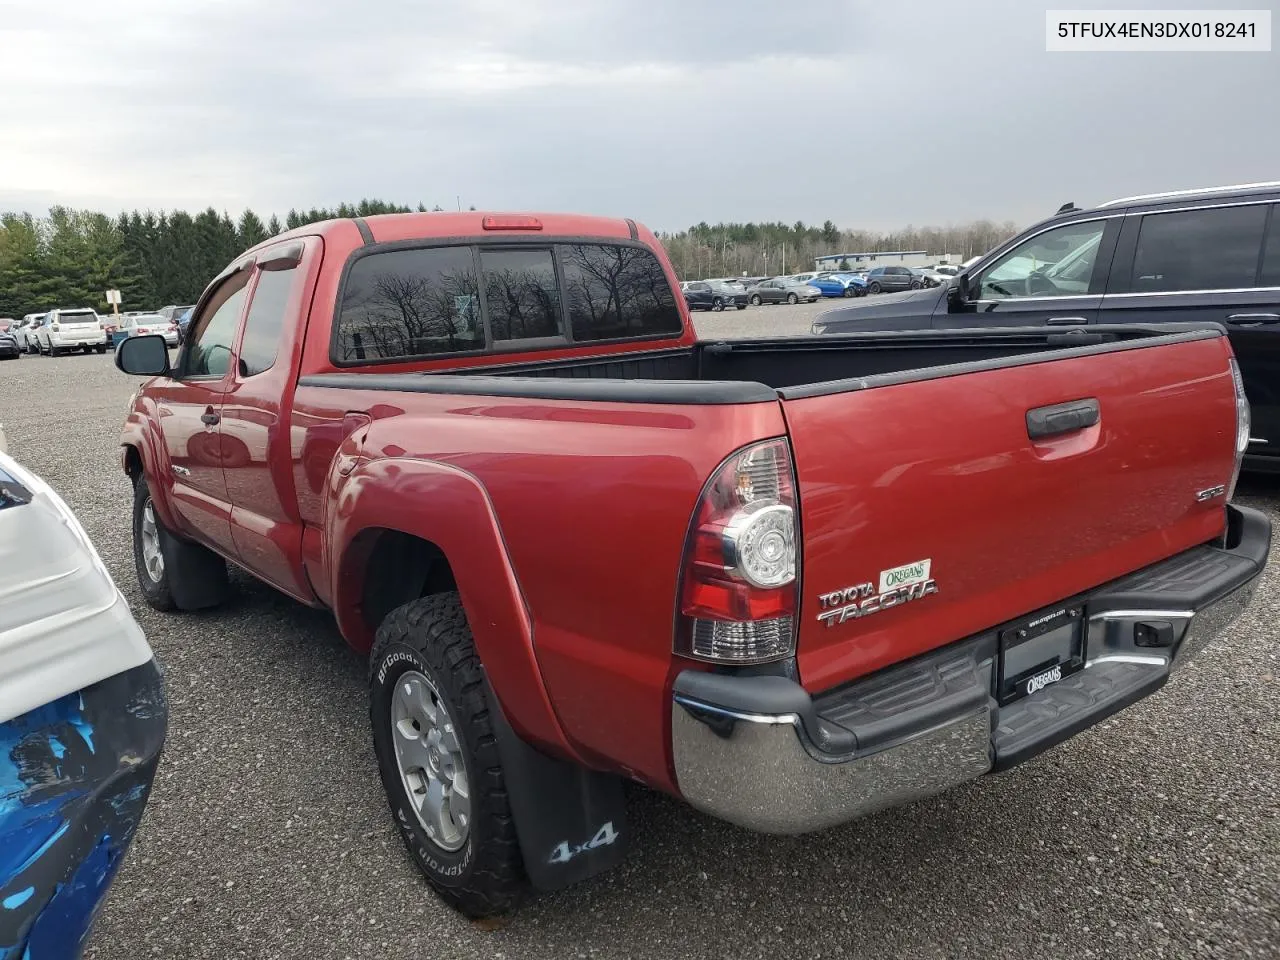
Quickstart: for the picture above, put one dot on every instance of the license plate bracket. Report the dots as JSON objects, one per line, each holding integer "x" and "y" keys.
{"x": 1040, "y": 651}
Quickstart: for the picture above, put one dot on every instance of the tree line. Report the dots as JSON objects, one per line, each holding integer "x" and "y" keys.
{"x": 766, "y": 249}
{"x": 70, "y": 258}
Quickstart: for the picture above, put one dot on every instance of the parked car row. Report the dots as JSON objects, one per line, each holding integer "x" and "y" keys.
{"x": 68, "y": 330}
{"x": 728, "y": 294}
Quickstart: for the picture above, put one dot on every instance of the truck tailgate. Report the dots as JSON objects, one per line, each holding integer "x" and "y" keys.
{"x": 937, "y": 473}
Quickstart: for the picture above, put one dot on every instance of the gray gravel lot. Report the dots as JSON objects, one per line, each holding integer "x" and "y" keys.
{"x": 1155, "y": 835}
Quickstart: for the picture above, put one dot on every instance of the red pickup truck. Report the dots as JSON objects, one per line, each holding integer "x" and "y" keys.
{"x": 790, "y": 580}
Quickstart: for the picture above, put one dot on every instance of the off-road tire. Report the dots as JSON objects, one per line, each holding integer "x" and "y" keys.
{"x": 486, "y": 875}
{"x": 194, "y": 577}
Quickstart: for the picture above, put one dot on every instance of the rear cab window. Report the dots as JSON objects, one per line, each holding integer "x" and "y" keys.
{"x": 433, "y": 301}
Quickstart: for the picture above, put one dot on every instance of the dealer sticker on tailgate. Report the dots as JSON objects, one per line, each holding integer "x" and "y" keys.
{"x": 905, "y": 575}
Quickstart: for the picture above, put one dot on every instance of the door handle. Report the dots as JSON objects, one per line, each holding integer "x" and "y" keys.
{"x": 1061, "y": 418}
{"x": 1253, "y": 319}
{"x": 1065, "y": 321}
{"x": 210, "y": 418}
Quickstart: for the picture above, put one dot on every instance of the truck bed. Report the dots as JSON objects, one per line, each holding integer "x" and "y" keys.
{"x": 755, "y": 370}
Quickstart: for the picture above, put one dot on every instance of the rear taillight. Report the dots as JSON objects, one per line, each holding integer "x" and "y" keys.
{"x": 739, "y": 583}
{"x": 1243, "y": 425}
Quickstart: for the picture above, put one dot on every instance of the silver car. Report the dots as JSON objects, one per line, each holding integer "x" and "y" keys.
{"x": 150, "y": 323}
{"x": 782, "y": 290}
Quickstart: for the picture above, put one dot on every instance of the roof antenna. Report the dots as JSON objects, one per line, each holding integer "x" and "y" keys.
{"x": 1067, "y": 207}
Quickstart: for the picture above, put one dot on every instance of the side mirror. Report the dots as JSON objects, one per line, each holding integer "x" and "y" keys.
{"x": 146, "y": 356}
{"x": 960, "y": 289}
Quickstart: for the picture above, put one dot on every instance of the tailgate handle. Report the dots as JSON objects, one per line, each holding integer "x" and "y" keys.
{"x": 1061, "y": 418}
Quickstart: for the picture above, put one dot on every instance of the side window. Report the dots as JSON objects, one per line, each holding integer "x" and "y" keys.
{"x": 1211, "y": 249}
{"x": 1271, "y": 256}
{"x": 209, "y": 350}
{"x": 409, "y": 303}
{"x": 264, "y": 325}
{"x": 1056, "y": 263}
{"x": 521, "y": 294}
{"x": 618, "y": 291}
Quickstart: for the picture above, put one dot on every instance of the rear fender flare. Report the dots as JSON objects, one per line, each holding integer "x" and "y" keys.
{"x": 450, "y": 508}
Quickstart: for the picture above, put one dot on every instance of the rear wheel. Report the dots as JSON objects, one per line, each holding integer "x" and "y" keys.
{"x": 101, "y": 348}
{"x": 53, "y": 349}
{"x": 850, "y": 291}
{"x": 438, "y": 757}
{"x": 792, "y": 299}
{"x": 755, "y": 300}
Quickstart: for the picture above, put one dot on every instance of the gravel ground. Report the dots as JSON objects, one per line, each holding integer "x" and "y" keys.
{"x": 1155, "y": 835}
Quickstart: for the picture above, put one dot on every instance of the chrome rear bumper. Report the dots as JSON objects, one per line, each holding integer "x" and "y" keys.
{"x": 759, "y": 752}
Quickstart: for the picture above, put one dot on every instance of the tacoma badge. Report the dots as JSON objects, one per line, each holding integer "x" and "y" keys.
{"x": 862, "y": 600}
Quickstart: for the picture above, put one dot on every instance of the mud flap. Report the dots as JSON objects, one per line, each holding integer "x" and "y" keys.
{"x": 571, "y": 821}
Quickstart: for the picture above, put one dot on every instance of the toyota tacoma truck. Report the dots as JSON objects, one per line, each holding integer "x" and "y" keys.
{"x": 791, "y": 581}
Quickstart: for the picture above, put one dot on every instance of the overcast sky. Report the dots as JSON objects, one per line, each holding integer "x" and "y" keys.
{"x": 873, "y": 114}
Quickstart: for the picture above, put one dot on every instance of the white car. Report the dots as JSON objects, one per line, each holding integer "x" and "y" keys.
{"x": 148, "y": 323}
{"x": 82, "y": 717}
{"x": 78, "y": 329}
{"x": 26, "y": 332}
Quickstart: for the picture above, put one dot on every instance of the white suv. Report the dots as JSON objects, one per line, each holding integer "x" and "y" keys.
{"x": 80, "y": 329}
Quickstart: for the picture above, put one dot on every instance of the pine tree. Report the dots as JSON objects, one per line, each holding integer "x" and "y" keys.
{"x": 250, "y": 232}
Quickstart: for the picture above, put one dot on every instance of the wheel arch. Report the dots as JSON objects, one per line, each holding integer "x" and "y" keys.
{"x": 425, "y": 527}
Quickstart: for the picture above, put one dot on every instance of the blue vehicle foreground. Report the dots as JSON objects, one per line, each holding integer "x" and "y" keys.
{"x": 82, "y": 723}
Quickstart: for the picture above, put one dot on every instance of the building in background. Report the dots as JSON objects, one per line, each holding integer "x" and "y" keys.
{"x": 881, "y": 258}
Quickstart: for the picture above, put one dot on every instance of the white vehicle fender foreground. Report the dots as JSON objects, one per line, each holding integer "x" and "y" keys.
{"x": 64, "y": 625}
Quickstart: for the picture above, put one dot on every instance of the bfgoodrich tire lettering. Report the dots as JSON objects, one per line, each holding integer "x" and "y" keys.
{"x": 430, "y": 636}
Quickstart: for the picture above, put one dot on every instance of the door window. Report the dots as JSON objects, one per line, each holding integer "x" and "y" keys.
{"x": 264, "y": 325}
{"x": 1210, "y": 249}
{"x": 208, "y": 351}
{"x": 1057, "y": 263}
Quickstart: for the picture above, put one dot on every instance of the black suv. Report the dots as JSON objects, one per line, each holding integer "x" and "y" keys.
{"x": 1188, "y": 256}
{"x": 713, "y": 295}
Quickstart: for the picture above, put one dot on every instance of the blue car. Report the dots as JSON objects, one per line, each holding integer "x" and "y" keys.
{"x": 82, "y": 723}
{"x": 184, "y": 321}
{"x": 839, "y": 285}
